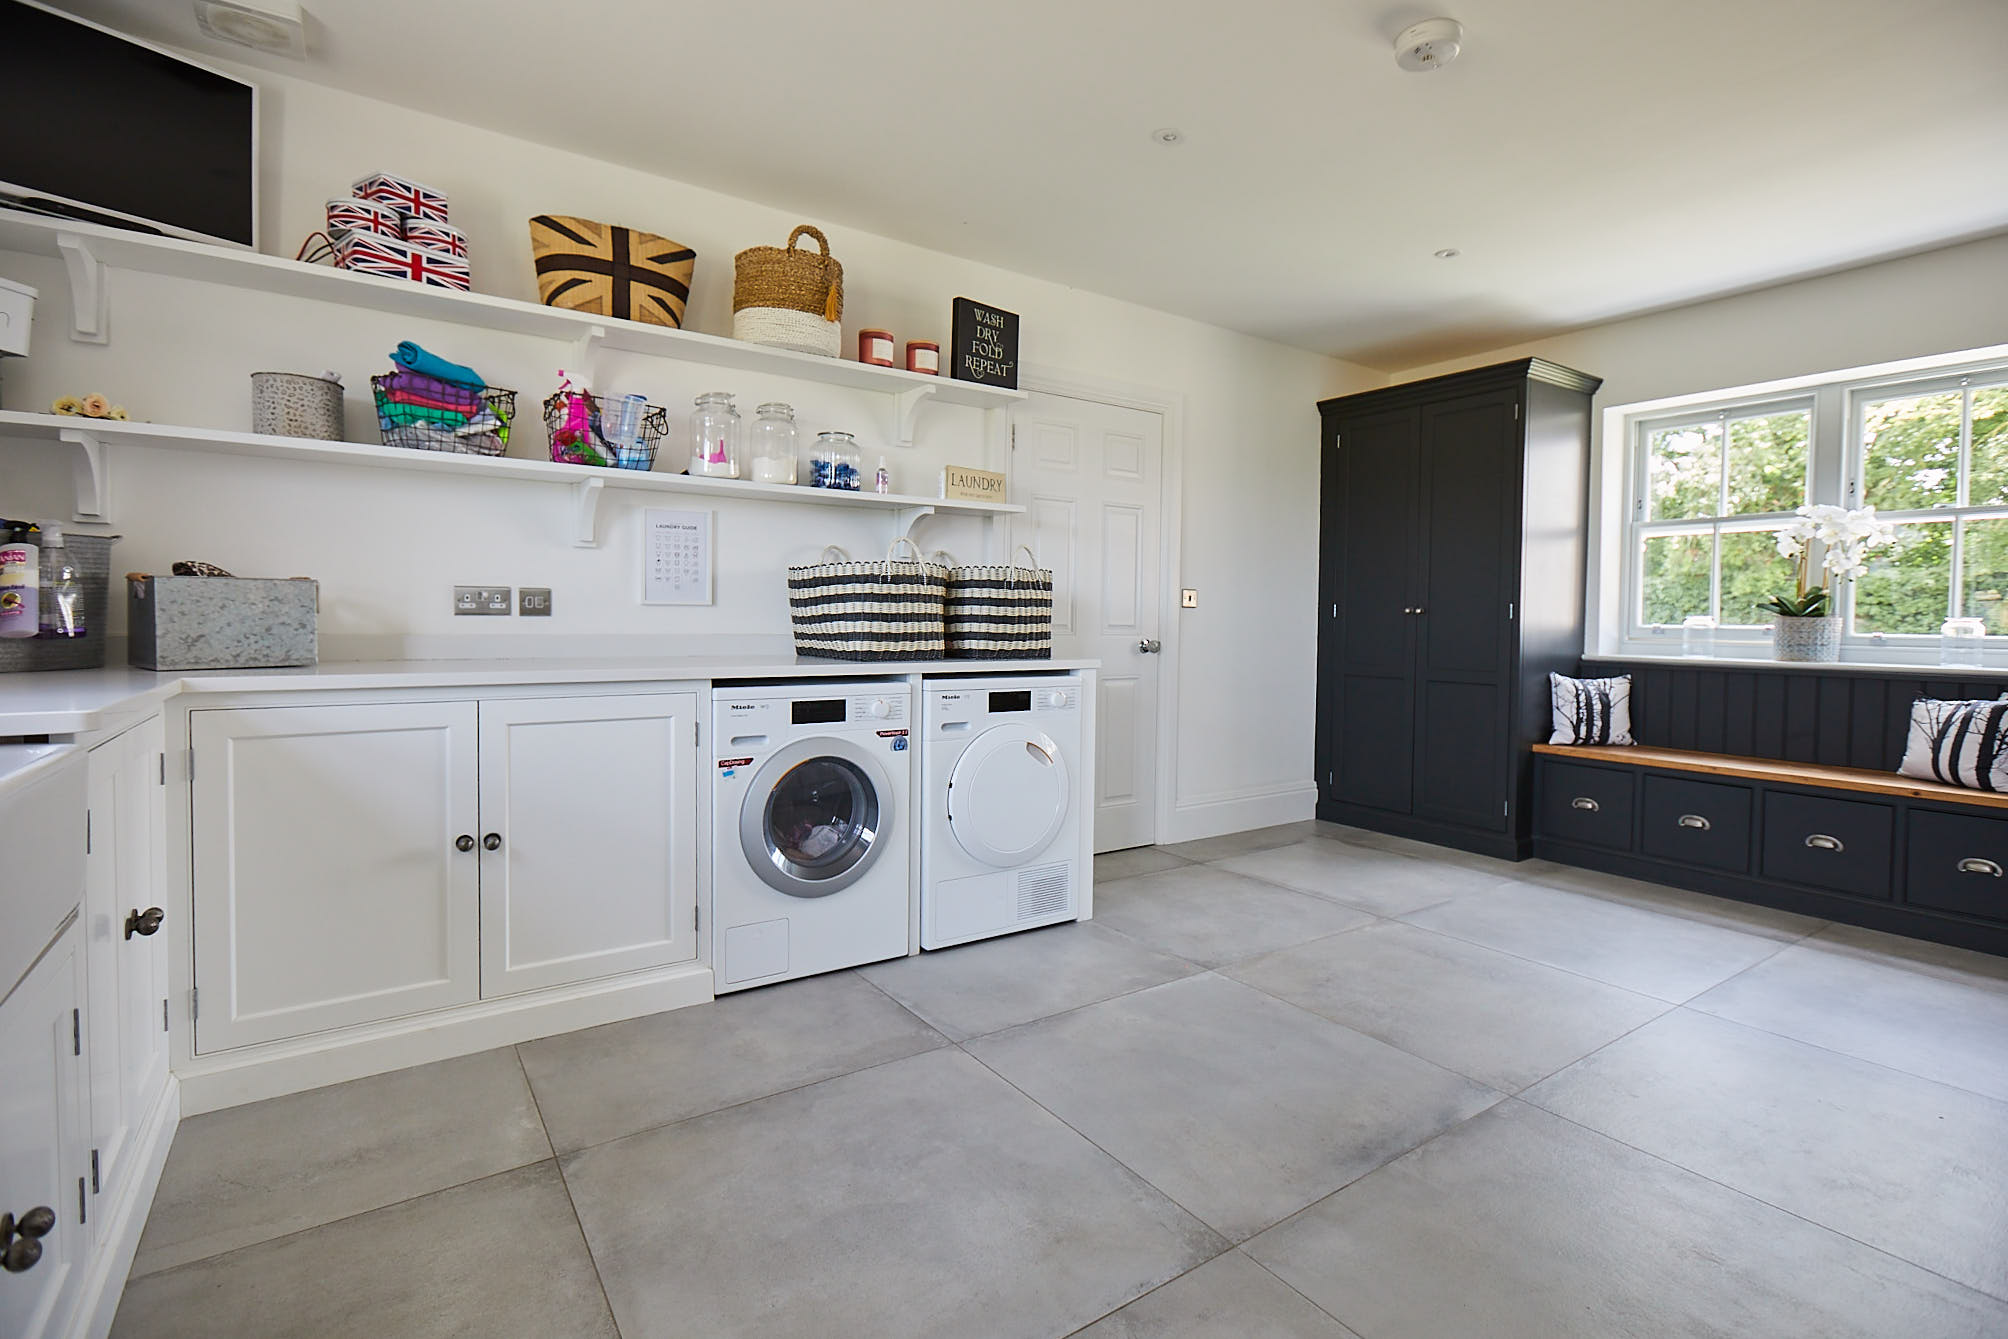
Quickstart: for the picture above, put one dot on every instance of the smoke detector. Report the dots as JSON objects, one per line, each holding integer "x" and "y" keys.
{"x": 275, "y": 26}
{"x": 1429, "y": 45}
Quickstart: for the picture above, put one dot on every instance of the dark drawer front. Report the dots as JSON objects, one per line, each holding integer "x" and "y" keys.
{"x": 1959, "y": 864}
{"x": 1842, "y": 845}
{"x": 1699, "y": 822}
{"x": 1592, "y": 805}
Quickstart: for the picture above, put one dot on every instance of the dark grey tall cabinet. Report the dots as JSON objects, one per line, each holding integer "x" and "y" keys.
{"x": 1453, "y": 552}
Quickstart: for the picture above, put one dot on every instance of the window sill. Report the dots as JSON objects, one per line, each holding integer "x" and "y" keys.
{"x": 1915, "y": 669}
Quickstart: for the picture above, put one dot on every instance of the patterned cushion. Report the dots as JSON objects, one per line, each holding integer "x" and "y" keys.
{"x": 1591, "y": 711}
{"x": 1959, "y": 743}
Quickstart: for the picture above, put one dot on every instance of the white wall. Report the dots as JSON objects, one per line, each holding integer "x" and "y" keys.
{"x": 386, "y": 547}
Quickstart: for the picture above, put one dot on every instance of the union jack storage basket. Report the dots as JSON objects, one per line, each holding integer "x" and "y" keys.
{"x": 890, "y": 610}
{"x": 1001, "y": 613}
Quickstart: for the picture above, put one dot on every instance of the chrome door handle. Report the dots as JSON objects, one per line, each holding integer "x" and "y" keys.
{"x": 21, "y": 1241}
{"x": 139, "y": 922}
{"x": 492, "y": 842}
{"x": 464, "y": 842}
{"x": 1585, "y": 802}
{"x": 1820, "y": 841}
{"x": 1150, "y": 646}
{"x": 1695, "y": 821}
{"x": 1974, "y": 866}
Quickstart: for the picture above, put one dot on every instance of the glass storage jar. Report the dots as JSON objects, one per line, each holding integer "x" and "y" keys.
{"x": 1960, "y": 643}
{"x": 835, "y": 462}
{"x": 774, "y": 448}
{"x": 714, "y": 436}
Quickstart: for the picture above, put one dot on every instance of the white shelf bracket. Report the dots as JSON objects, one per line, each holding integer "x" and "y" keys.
{"x": 586, "y": 352}
{"x": 903, "y": 519}
{"x": 905, "y": 408}
{"x": 586, "y": 512}
{"x": 90, "y": 318}
{"x": 91, "y": 474}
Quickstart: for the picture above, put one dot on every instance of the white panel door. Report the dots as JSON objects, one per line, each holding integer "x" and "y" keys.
{"x": 329, "y": 884}
{"x": 1090, "y": 476}
{"x": 589, "y": 843}
{"x": 44, "y": 1124}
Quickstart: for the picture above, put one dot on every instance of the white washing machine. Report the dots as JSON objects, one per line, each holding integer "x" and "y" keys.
{"x": 1000, "y": 766}
{"x": 809, "y": 864}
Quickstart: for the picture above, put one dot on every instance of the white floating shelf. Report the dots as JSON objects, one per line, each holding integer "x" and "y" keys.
{"x": 87, "y": 249}
{"x": 92, "y": 439}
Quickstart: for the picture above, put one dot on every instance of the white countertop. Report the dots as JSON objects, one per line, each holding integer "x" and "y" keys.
{"x": 67, "y": 702}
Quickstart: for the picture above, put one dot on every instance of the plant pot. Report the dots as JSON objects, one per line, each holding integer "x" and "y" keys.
{"x": 1807, "y": 639}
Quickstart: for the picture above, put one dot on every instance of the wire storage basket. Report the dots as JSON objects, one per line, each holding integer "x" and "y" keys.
{"x": 887, "y": 610}
{"x": 588, "y": 430}
{"x": 424, "y": 413}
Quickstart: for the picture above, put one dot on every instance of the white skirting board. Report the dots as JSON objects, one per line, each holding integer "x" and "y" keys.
{"x": 1240, "y": 811}
{"x": 98, "y": 1303}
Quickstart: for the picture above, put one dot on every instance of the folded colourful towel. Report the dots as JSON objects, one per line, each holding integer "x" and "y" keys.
{"x": 412, "y": 358}
{"x": 418, "y": 413}
{"x": 469, "y": 406}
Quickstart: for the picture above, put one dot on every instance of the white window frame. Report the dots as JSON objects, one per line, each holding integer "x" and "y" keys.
{"x": 1835, "y": 470}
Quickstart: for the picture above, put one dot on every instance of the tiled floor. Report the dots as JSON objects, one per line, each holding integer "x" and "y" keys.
{"x": 1300, "y": 1082}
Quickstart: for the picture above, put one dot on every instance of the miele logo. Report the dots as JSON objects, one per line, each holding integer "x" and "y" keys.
{"x": 742, "y": 706}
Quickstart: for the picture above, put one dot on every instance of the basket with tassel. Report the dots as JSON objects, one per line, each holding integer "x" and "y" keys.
{"x": 789, "y": 297}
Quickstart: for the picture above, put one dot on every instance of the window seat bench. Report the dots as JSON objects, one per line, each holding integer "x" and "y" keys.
{"x": 1841, "y": 843}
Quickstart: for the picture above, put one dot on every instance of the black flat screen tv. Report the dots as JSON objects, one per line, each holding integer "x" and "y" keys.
{"x": 101, "y": 126}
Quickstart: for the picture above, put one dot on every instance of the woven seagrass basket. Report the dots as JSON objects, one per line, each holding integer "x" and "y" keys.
{"x": 606, "y": 270}
{"x": 788, "y": 297}
{"x": 890, "y": 610}
{"x": 999, "y": 612}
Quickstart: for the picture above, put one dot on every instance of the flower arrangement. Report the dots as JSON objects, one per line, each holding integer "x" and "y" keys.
{"x": 86, "y": 406}
{"x": 1845, "y": 537}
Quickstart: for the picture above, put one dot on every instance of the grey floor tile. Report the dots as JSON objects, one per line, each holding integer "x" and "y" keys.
{"x": 501, "y": 1258}
{"x": 1209, "y": 916}
{"x": 1112, "y": 865}
{"x": 255, "y": 1172}
{"x": 1420, "y": 850}
{"x": 1940, "y": 1013}
{"x": 1911, "y": 1166}
{"x": 1242, "y": 1108}
{"x": 1382, "y": 882}
{"x": 1768, "y": 922}
{"x": 922, "y": 1198}
{"x": 1651, "y": 952}
{"x": 1241, "y": 843}
{"x": 1499, "y": 1019}
{"x": 1228, "y": 1295}
{"x": 1520, "y": 1225}
{"x": 999, "y": 983}
{"x": 610, "y": 1081}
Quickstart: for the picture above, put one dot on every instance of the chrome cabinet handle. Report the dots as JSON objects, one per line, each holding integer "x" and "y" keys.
{"x": 492, "y": 842}
{"x": 1585, "y": 802}
{"x": 1820, "y": 841}
{"x": 1694, "y": 821}
{"x": 464, "y": 842}
{"x": 1150, "y": 646}
{"x": 139, "y": 922}
{"x": 1970, "y": 865}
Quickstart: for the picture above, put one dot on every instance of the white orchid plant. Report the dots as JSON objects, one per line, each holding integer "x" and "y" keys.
{"x": 1845, "y": 538}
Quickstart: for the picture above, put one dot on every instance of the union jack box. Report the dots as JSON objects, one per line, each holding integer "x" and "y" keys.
{"x": 365, "y": 216}
{"x": 442, "y": 237}
{"x": 403, "y": 195}
{"x": 370, "y": 253}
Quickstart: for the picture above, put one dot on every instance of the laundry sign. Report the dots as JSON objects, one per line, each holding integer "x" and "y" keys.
{"x": 985, "y": 347}
{"x": 959, "y": 483}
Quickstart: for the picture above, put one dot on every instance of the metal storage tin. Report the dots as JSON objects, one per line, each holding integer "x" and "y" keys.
{"x": 190, "y": 623}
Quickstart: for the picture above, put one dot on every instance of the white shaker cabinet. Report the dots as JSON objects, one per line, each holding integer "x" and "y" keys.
{"x": 588, "y": 836}
{"x": 335, "y": 866}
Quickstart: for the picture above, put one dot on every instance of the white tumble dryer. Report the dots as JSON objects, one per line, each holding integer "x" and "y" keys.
{"x": 810, "y": 870}
{"x": 1000, "y": 766}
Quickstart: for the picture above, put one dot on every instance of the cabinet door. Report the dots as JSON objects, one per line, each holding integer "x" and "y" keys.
{"x": 1372, "y": 714}
{"x": 590, "y": 804}
{"x": 329, "y": 889}
{"x": 1470, "y": 489}
{"x": 42, "y": 1160}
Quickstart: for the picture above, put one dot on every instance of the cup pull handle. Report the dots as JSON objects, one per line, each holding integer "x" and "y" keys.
{"x": 1971, "y": 865}
{"x": 1584, "y": 802}
{"x": 1820, "y": 841}
{"x": 1694, "y": 821}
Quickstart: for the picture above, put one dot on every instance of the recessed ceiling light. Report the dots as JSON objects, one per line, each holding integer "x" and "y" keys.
{"x": 263, "y": 25}
{"x": 1429, "y": 45}
{"x": 1168, "y": 136}
{"x": 1448, "y": 253}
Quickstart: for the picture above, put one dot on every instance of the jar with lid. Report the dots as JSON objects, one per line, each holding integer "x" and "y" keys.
{"x": 835, "y": 462}
{"x": 714, "y": 436}
{"x": 1960, "y": 643}
{"x": 774, "y": 447}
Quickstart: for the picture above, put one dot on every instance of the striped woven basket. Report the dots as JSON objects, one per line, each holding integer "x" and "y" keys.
{"x": 1000, "y": 613}
{"x": 889, "y": 610}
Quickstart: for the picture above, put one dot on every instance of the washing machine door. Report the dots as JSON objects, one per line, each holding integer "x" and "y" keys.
{"x": 1008, "y": 795}
{"x": 816, "y": 817}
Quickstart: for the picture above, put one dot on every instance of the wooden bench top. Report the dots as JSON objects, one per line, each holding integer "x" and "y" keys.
{"x": 1772, "y": 769}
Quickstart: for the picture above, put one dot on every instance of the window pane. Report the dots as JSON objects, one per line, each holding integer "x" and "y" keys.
{"x": 1676, "y": 577}
{"x": 1989, "y": 477}
{"x": 1752, "y": 572}
{"x": 1908, "y": 588}
{"x": 1767, "y": 463}
{"x": 1910, "y": 452}
{"x": 1684, "y": 469}
{"x": 1983, "y": 552}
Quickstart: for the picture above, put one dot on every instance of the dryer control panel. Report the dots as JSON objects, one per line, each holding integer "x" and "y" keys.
{"x": 953, "y": 711}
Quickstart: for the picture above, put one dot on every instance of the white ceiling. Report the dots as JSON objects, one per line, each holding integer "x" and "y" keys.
{"x": 1590, "y": 158}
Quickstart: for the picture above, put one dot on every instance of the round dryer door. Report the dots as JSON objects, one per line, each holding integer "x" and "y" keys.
{"x": 1008, "y": 795}
{"x": 816, "y": 817}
